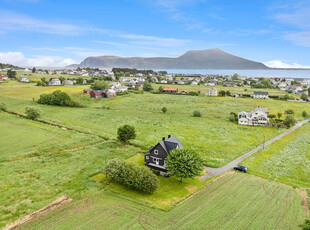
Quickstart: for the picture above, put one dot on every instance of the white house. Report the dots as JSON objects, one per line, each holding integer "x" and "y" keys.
{"x": 163, "y": 82}
{"x": 67, "y": 82}
{"x": 212, "y": 92}
{"x": 257, "y": 117}
{"x": 260, "y": 95}
{"x": 195, "y": 82}
{"x": 24, "y": 78}
{"x": 54, "y": 81}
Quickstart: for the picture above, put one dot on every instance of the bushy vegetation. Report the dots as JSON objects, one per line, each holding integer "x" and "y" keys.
{"x": 132, "y": 176}
{"x": 262, "y": 83}
{"x": 147, "y": 86}
{"x": 58, "y": 98}
{"x": 32, "y": 112}
{"x": 126, "y": 133}
{"x": 3, "y": 106}
{"x": 99, "y": 85}
{"x": 164, "y": 109}
{"x": 184, "y": 163}
{"x": 289, "y": 120}
{"x": 196, "y": 113}
{"x": 233, "y": 117}
{"x": 306, "y": 225}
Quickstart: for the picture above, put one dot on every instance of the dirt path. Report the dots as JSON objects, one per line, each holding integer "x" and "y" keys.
{"x": 217, "y": 171}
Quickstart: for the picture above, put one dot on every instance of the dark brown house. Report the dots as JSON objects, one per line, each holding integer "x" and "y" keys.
{"x": 156, "y": 156}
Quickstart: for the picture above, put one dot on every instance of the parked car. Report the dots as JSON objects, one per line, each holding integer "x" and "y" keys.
{"x": 241, "y": 168}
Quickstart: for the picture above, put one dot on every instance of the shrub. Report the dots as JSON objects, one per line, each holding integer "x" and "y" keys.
{"x": 98, "y": 85}
{"x": 32, "y": 113}
{"x": 196, "y": 113}
{"x": 306, "y": 225}
{"x": 289, "y": 120}
{"x": 184, "y": 163}
{"x": 304, "y": 114}
{"x": 304, "y": 97}
{"x": 58, "y": 98}
{"x": 147, "y": 86}
{"x": 164, "y": 109}
{"x": 222, "y": 93}
{"x": 132, "y": 176}
{"x": 290, "y": 111}
{"x": 160, "y": 89}
{"x": 125, "y": 133}
{"x": 3, "y": 106}
{"x": 233, "y": 117}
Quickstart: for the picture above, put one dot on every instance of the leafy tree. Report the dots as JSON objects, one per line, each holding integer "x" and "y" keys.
{"x": 160, "y": 89}
{"x": 61, "y": 79}
{"x": 34, "y": 70}
{"x": 289, "y": 120}
{"x": 228, "y": 93}
{"x": 32, "y": 112}
{"x": 79, "y": 81}
{"x": 233, "y": 117}
{"x": 271, "y": 116}
{"x": 306, "y": 225}
{"x": 3, "y": 106}
{"x": 309, "y": 91}
{"x": 196, "y": 113}
{"x": 147, "y": 86}
{"x": 222, "y": 93}
{"x": 304, "y": 97}
{"x": 58, "y": 98}
{"x": 304, "y": 114}
{"x": 99, "y": 85}
{"x": 164, "y": 109}
{"x": 125, "y": 133}
{"x": 184, "y": 163}
{"x": 279, "y": 115}
{"x": 235, "y": 76}
{"x": 11, "y": 74}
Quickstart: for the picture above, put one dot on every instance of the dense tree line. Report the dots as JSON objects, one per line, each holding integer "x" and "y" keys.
{"x": 4, "y": 66}
{"x": 132, "y": 175}
{"x": 58, "y": 98}
{"x": 132, "y": 71}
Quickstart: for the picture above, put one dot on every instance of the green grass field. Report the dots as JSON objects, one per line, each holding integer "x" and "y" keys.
{"x": 38, "y": 163}
{"x": 234, "y": 201}
{"x": 287, "y": 160}
{"x": 212, "y": 135}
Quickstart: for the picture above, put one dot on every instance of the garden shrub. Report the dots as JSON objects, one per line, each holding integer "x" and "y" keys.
{"x": 132, "y": 176}
{"x": 58, "y": 98}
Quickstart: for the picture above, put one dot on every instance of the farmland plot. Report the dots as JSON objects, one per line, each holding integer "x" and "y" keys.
{"x": 233, "y": 201}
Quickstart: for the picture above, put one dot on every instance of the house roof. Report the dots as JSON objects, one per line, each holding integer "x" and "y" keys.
{"x": 170, "y": 89}
{"x": 261, "y": 93}
{"x": 169, "y": 144}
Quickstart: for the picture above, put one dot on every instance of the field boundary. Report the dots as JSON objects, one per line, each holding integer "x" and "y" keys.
{"x": 55, "y": 204}
{"x": 304, "y": 202}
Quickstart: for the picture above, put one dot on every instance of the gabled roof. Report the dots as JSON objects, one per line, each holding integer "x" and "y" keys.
{"x": 170, "y": 89}
{"x": 169, "y": 144}
{"x": 261, "y": 93}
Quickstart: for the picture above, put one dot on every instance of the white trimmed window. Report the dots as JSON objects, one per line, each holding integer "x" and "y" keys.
{"x": 156, "y": 152}
{"x": 147, "y": 157}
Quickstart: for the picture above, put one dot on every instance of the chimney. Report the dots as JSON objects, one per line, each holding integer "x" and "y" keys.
{"x": 164, "y": 138}
{"x": 169, "y": 135}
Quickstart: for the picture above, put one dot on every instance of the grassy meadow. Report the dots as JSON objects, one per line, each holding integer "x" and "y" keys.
{"x": 39, "y": 163}
{"x": 233, "y": 201}
{"x": 212, "y": 135}
{"x": 287, "y": 160}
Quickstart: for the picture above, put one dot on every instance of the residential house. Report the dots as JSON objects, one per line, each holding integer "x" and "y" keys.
{"x": 230, "y": 84}
{"x": 257, "y": 117}
{"x": 110, "y": 93}
{"x": 294, "y": 89}
{"x": 260, "y": 95}
{"x": 86, "y": 91}
{"x": 282, "y": 86}
{"x": 212, "y": 92}
{"x": 97, "y": 93}
{"x": 163, "y": 82}
{"x": 170, "y": 90}
{"x": 156, "y": 156}
{"x": 195, "y": 82}
{"x": 54, "y": 81}
{"x": 24, "y": 78}
{"x": 67, "y": 82}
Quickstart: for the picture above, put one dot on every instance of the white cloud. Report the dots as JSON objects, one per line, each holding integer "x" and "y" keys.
{"x": 300, "y": 38}
{"x": 18, "y": 58}
{"x": 10, "y": 21}
{"x": 280, "y": 64}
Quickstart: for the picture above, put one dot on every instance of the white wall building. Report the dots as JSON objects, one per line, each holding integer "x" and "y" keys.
{"x": 257, "y": 117}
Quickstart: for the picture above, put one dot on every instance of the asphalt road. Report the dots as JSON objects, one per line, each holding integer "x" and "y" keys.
{"x": 217, "y": 171}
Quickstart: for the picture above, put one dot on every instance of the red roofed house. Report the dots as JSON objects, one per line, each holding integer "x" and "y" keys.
{"x": 97, "y": 93}
{"x": 87, "y": 91}
{"x": 170, "y": 90}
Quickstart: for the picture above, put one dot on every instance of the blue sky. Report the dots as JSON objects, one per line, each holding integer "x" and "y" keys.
{"x": 58, "y": 33}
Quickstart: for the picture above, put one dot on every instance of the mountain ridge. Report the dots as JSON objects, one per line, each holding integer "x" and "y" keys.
{"x": 192, "y": 59}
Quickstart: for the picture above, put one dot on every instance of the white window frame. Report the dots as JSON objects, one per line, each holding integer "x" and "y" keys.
{"x": 155, "y": 151}
{"x": 147, "y": 157}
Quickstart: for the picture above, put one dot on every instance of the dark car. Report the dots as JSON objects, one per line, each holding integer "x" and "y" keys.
{"x": 241, "y": 168}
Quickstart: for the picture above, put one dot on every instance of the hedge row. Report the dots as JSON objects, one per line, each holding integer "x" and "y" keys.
{"x": 58, "y": 98}
{"x": 132, "y": 176}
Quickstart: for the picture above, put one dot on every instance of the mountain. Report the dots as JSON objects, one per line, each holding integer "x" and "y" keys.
{"x": 194, "y": 59}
